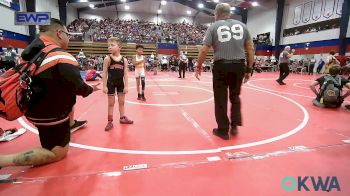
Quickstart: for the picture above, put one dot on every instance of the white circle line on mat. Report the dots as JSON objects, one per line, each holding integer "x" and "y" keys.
{"x": 206, "y": 151}
{"x": 297, "y": 85}
{"x": 267, "y": 89}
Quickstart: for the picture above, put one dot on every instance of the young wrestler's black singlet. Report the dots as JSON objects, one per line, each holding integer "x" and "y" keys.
{"x": 115, "y": 76}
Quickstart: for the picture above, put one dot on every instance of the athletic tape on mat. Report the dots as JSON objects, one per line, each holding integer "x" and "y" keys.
{"x": 346, "y": 141}
{"x": 216, "y": 158}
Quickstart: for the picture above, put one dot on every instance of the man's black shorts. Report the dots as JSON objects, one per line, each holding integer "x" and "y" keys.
{"x": 119, "y": 85}
{"x": 54, "y": 135}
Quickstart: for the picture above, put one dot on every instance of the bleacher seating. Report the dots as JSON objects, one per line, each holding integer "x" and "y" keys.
{"x": 132, "y": 32}
{"x": 100, "y": 48}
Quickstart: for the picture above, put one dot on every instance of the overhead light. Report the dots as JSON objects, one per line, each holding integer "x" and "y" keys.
{"x": 127, "y": 7}
{"x": 159, "y": 11}
{"x": 91, "y": 5}
{"x": 83, "y": 1}
{"x": 233, "y": 8}
{"x": 255, "y": 3}
{"x": 123, "y": 0}
{"x": 216, "y": 1}
{"x": 189, "y": 12}
{"x": 163, "y": 2}
{"x": 201, "y": 5}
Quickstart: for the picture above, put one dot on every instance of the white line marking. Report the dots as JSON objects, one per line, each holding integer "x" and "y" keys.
{"x": 172, "y": 105}
{"x": 197, "y": 126}
{"x": 297, "y": 85}
{"x": 165, "y": 93}
{"x": 216, "y": 158}
{"x": 285, "y": 135}
{"x": 112, "y": 174}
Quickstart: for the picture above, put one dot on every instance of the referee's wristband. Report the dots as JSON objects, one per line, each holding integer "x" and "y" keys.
{"x": 248, "y": 70}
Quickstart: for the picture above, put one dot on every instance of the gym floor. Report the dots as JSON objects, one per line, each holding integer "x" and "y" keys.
{"x": 283, "y": 135}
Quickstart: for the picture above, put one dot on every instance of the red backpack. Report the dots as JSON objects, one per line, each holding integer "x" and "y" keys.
{"x": 15, "y": 85}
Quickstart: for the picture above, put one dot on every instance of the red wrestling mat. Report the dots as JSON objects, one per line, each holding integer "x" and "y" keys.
{"x": 283, "y": 135}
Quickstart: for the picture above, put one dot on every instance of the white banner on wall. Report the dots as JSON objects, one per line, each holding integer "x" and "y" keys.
{"x": 339, "y": 6}
{"x": 317, "y": 10}
{"x": 311, "y": 11}
{"x": 307, "y": 12}
{"x": 6, "y": 2}
{"x": 297, "y": 14}
{"x": 12, "y": 4}
{"x": 329, "y": 8}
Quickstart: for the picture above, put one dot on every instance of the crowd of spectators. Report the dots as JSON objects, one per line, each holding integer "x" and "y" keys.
{"x": 136, "y": 31}
{"x": 184, "y": 33}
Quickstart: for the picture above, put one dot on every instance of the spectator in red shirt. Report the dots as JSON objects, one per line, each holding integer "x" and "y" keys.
{"x": 92, "y": 74}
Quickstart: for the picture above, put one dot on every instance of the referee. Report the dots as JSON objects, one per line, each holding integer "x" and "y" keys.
{"x": 231, "y": 42}
{"x": 284, "y": 64}
{"x": 182, "y": 64}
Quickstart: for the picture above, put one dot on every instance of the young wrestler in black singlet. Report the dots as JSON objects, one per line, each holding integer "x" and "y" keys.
{"x": 115, "y": 77}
